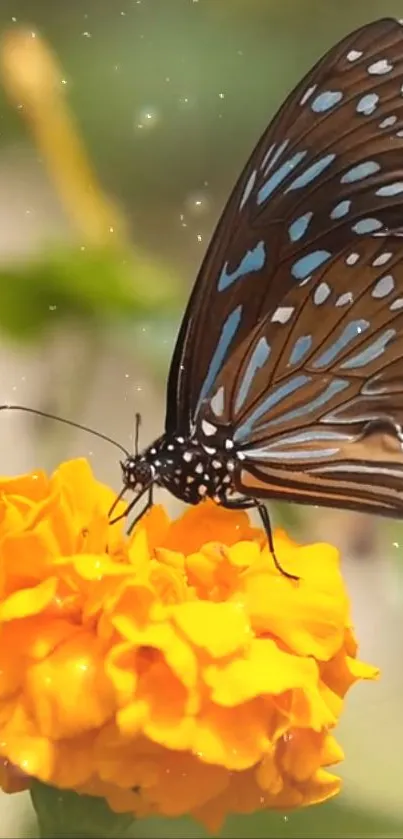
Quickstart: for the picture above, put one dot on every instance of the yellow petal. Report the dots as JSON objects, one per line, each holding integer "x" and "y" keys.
{"x": 218, "y": 628}
{"x": 30, "y": 601}
{"x": 265, "y": 669}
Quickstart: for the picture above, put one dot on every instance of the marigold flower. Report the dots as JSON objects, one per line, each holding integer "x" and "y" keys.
{"x": 173, "y": 671}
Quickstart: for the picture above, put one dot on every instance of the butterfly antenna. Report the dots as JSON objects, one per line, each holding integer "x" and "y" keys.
{"x": 137, "y": 433}
{"x": 65, "y": 422}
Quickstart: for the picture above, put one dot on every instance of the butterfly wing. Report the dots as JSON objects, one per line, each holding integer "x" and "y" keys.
{"x": 329, "y": 168}
{"x": 314, "y": 397}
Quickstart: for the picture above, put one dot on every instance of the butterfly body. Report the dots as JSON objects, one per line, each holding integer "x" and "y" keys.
{"x": 186, "y": 468}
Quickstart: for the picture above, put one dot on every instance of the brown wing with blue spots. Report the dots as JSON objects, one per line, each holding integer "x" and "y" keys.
{"x": 327, "y": 171}
{"x": 314, "y": 397}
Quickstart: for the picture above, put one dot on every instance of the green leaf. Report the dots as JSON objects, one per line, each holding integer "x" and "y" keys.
{"x": 64, "y": 814}
{"x": 86, "y": 285}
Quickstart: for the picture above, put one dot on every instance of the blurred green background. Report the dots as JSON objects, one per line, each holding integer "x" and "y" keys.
{"x": 169, "y": 97}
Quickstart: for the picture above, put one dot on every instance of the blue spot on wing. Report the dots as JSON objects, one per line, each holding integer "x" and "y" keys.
{"x": 311, "y": 173}
{"x": 278, "y": 176}
{"x": 293, "y": 454}
{"x": 370, "y": 353}
{"x": 341, "y": 209}
{"x": 272, "y": 399}
{"x": 335, "y": 387}
{"x": 252, "y": 261}
{"x": 390, "y": 189}
{"x": 350, "y": 333}
{"x": 361, "y": 171}
{"x": 367, "y": 104}
{"x": 299, "y": 227}
{"x": 367, "y": 225}
{"x": 228, "y": 332}
{"x": 326, "y": 100}
{"x": 301, "y": 347}
{"x": 257, "y": 360}
{"x": 304, "y": 266}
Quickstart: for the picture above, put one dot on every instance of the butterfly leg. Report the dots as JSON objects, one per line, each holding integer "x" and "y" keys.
{"x": 149, "y": 504}
{"x": 147, "y": 489}
{"x": 247, "y": 504}
{"x": 265, "y": 519}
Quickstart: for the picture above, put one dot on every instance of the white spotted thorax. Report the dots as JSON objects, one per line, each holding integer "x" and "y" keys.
{"x": 185, "y": 467}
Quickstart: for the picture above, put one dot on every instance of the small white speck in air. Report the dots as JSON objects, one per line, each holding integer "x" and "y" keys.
{"x": 354, "y": 55}
{"x": 352, "y": 258}
{"x": 187, "y": 456}
{"x": 199, "y": 468}
{"x": 282, "y": 314}
{"x": 379, "y": 68}
{"x": 382, "y": 258}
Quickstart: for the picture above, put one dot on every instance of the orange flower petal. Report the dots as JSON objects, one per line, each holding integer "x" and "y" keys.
{"x": 68, "y": 692}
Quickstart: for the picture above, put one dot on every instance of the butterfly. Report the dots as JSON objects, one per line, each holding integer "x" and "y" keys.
{"x": 286, "y": 380}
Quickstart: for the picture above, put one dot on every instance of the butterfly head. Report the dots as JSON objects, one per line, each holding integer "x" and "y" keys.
{"x": 137, "y": 472}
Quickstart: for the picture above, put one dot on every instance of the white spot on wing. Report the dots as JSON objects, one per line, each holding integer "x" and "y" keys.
{"x": 354, "y": 55}
{"x": 382, "y": 259}
{"x": 345, "y": 298}
{"x": 379, "y": 68}
{"x": 384, "y": 286}
{"x": 307, "y": 94}
{"x": 208, "y": 429}
{"x": 217, "y": 402}
{"x": 388, "y": 121}
{"x": 321, "y": 293}
{"x": 352, "y": 258}
{"x": 282, "y": 314}
{"x": 397, "y": 304}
